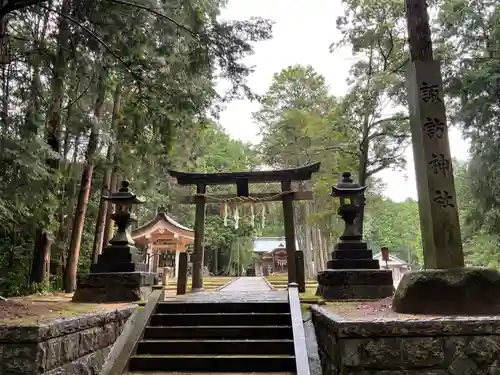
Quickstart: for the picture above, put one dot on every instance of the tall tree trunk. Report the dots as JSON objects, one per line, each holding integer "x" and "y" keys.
{"x": 4, "y": 38}
{"x": 42, "y": 242}
{"x": 365, "y": 144}
{"x": 321, "y": 252}
{"x": 85, "y": 187}
{"x": 316, "y": 245}
{"x": 100, "y": 227}
{"x": 109, "y": 226}
{"x": 39, "y": 274}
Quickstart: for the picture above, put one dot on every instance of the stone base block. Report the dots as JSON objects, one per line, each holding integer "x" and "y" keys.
{"x": 393, "y": 344}
{"x": 461, "y": 291}
{"x": 349, "y": 264}
{"x": 355, "y": 284}
{"x": 114, "y": 287}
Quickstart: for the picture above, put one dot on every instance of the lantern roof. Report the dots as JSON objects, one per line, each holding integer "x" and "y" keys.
{"x": 347, "y": 187}
{"x": 124, "y": 194}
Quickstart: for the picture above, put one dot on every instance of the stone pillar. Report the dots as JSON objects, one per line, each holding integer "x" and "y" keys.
{"x": 176, "y": 269}
{"x": 182, "y": 276}
{"x": 441, "y": 240}
{"x": 445, "y": 287}
{"x": 157, "y": 259}
{"x": 165, "y": 276}
{"x": 151, "y": 256}
{"x": 301, "y": 275}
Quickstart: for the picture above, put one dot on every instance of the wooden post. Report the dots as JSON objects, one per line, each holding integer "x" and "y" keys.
{"x": 199, "y": 229}
{"x": 289, "y": 222}
{"x": 442, "y": 244}
{"x": 182, "y": 276}
{"x": 301, "y": 275}
{"x": 216, "y": 261}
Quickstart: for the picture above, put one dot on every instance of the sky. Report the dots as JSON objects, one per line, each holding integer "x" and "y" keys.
{"x": 302, "y": 35}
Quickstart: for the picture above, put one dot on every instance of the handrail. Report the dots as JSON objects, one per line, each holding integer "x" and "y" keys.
{"x": 299, "y": 336}
{"x": 117, "y": 360}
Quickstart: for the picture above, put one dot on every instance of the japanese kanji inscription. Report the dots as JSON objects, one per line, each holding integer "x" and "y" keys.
{"x": 443, "y": 198}
{"x": 440, "y": 164}
{"x": 434, "y": 127}
{"x": 430, "y": 93}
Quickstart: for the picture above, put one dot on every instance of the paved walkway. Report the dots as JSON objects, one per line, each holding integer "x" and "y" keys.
{"x": 247, "y": 284}
{"x": 243, "y": 289}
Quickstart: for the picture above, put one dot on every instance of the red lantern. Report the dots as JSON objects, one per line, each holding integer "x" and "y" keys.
{"x": 385, "y": 254}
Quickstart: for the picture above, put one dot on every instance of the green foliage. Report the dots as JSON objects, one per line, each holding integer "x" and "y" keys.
{"x": 395, "y": 225}
{"x": 468, "y": 43}
{"x": 71, "y": 65}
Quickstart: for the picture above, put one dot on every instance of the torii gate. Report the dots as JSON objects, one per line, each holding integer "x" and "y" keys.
{"x": 242, "y": 180}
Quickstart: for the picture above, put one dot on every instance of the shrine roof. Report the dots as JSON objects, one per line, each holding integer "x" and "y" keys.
{"x": 170, "y": 224}
{"x": 269, "y": 244}
{"x": 294, "y": 174}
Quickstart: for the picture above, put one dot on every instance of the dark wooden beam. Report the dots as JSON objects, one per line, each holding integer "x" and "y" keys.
{"x": 289, "y": 223}
{"x": 218, "y": 198}
{"x": 199, "y": 233}
{"x": 296, "y": 174}
{"x": 242, "y": 189}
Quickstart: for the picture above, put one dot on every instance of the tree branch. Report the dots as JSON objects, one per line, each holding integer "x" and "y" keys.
{"x": 159, "y": 14}
{"x": 399, "y": 67}
{"x": 338, "y": 148}
{"x": 382, "y": 134}
{"x": 13, "y": 5}
{"x": 384, "y": 163}
{"x": 387, "y": 119}
{"x": 93, "y": 35}
{"x": 370, "y": 173}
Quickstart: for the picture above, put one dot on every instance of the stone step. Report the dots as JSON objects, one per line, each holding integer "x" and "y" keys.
{"x": 219, "y": 332}
{"x": 231, "y": 307}
{"x": 206, "y": 373}
{"x": 214, "y": 319}
{"x": 353, "y": 264}
{"x": 215, "y": 347}
{"x": 211, "y": 363}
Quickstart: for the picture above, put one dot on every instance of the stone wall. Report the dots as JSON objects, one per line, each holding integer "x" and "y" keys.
{"x": 407, "y": 346}
{"x": 71, "y": 346}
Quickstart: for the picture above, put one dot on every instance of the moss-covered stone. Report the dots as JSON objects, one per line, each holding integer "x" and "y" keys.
{"x": 75, "y": 345}
{"x": 461, "y": 291}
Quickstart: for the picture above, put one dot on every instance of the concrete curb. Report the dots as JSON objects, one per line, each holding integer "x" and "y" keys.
{"x": 268, "y": 283}
{"x": 227, "y": 284}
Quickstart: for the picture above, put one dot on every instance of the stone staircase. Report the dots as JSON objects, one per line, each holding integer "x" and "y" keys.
{"x": 237, "y": 337}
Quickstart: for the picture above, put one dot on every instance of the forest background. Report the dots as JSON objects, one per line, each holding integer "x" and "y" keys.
{"x": 93, "y": 92}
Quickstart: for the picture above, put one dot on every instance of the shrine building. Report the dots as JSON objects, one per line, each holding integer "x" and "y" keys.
{"x": 163, "y": 239}
{"x": 270, "y": 256}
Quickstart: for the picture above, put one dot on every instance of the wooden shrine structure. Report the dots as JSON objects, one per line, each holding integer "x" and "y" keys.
{"x": 164, "y": 239}
{"x": 271, "y": 262}
{"x": 242, "y": 180}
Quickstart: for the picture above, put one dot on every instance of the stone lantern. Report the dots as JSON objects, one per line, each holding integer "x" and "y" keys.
{"x": 120, "y": 274}
{"x": 352, "y": 273}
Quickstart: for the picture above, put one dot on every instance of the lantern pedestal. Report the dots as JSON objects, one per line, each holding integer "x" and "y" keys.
{"x": 114, "y": 287}
{"x": 118, "y": 276}
{"x": 119, "y": 258}
{"x": 352, "y": 255}
{"x": 354, "y": 274}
